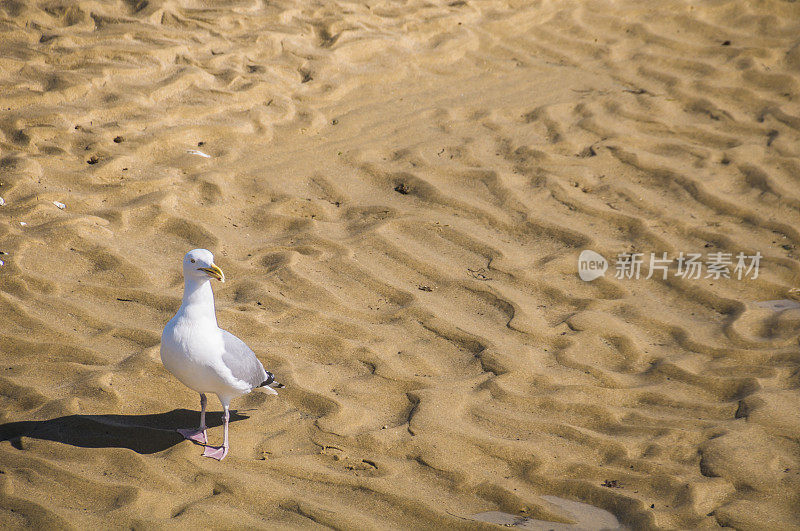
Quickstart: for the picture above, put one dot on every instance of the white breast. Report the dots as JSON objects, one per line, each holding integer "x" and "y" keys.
{"x": 193, "y": 353}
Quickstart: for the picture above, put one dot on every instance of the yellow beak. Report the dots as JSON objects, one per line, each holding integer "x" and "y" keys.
{"x": 213, "y": 272}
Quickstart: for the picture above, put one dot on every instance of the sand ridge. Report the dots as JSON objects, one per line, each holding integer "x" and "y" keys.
{"x": 398, "y": 194}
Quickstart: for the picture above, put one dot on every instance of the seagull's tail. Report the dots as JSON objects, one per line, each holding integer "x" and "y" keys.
{"x": 271, "y": 383}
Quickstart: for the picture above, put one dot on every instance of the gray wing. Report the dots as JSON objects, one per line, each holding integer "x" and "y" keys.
{"x": 242, "y": 361}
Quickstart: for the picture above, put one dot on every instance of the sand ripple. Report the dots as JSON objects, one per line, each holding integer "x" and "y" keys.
{"x": 398, "y": 193}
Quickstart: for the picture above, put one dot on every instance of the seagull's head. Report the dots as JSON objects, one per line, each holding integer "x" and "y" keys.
{"x": 199, "y": 265}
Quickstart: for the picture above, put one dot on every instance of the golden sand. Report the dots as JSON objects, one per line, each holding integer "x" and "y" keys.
{"x": 398, "y": 193}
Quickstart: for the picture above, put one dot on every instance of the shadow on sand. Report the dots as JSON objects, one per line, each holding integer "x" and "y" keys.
{"x": 144, "y": 434}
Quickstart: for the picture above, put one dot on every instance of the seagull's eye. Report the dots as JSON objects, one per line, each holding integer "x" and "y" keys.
{"x": 192, "y": 260}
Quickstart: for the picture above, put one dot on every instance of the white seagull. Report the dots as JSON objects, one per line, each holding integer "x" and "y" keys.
{"x": 205, "y": 357}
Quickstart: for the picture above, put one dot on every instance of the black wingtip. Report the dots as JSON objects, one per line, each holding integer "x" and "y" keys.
{"x": 270, "y": 379}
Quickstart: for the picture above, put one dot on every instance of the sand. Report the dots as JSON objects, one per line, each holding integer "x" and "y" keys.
{"x": 398, "y": 193}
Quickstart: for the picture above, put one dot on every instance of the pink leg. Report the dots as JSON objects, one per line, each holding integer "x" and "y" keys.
{"x": 198, "y": 435}
{"x": 219, "y": 452}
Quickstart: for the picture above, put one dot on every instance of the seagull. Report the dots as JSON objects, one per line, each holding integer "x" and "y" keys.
{"x": 205, "y": 357}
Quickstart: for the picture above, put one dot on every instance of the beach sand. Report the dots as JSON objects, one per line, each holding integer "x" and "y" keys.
{"x": 398, "y": 193}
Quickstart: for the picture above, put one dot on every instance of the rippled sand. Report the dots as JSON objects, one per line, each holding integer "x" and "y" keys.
{"x": 398, "y": 193}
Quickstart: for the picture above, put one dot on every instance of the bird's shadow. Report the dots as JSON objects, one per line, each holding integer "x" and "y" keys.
{"x": 144, "y": 434}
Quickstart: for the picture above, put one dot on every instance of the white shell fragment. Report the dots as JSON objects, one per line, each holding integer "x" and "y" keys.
{"x": 779, "y": 305}
{"x": 23, "y": 224}
{"x": 60, "y": 205}
{"x": 196, "y": 152}
{"x": 2, "y": 201}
